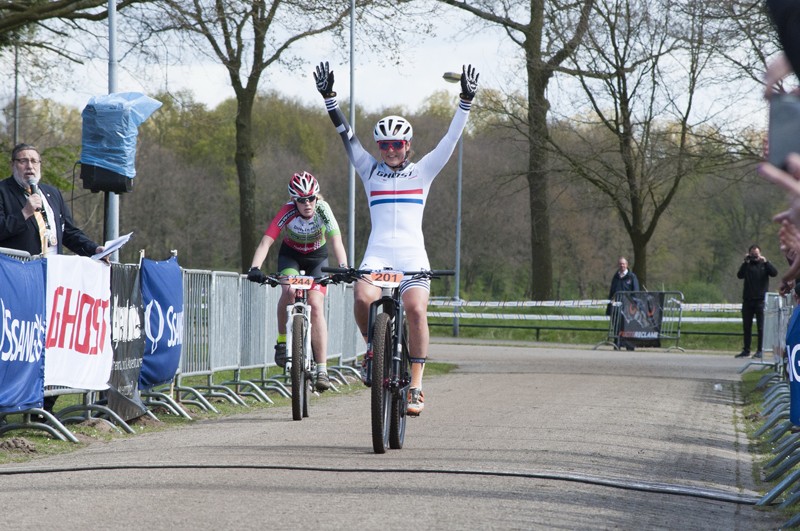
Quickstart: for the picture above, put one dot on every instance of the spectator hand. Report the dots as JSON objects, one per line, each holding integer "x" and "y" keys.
{"x": 785, "y": 288}
{"x": 790, "y": 182}
{"x": 778, "y": 69}
{"x": 323, "y": 76}
{"x": 256, "y": 275}
{"x": 32, "y": 203}
{"x": 106, "y": 258}
{"x": 469, "y": 82}
{"x": 789, "y": 237}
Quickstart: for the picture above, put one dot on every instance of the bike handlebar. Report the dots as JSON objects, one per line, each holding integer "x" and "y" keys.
{"x": 276, "y": 279}
{"x": 355, "y": 274}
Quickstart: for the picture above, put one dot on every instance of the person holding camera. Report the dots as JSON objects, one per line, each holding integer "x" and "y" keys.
{"x": 755, "y": 271}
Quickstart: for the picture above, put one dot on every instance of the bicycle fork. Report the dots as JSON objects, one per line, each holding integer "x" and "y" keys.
{"x": 387, "y": 304}
{"x": 299, "y": 307}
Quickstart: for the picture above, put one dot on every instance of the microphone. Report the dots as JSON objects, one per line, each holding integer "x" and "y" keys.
{"x": 35, "y": 190}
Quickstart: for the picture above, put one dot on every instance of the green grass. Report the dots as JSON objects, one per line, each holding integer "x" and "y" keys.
{"x": 724, "y": 337}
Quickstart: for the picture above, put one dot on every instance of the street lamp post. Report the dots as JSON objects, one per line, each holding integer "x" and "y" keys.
{"x": 455, "y": 77}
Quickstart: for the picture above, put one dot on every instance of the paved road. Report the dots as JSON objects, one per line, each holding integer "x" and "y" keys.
{"x": 516, "y": 438}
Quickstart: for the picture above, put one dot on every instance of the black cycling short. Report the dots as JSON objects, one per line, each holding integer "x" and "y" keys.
{"x": 291, "y": 261}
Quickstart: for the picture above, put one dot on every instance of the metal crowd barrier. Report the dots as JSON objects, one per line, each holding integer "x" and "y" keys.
{"x": 344, "y": 339}
{"x": 653, "y": 316}
{"x": 231, "y": 324}
{"x": 91, "y": 402}
{"x": 777, "y": 430}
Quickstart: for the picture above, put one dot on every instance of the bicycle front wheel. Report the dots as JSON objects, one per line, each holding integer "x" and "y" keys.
{"x": 397, "y": 429}
{"x": 381, "y": 370}
{"x": 299, "y": 382}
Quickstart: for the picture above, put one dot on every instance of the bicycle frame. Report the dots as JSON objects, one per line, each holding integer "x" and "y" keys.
{"x": 300, "y": 359}
{"x": 390, "y": 303}
{"x": 299, "y": 307}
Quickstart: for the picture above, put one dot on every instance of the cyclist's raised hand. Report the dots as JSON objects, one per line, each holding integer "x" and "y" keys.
{"x": 256, "y": 275}
{"x": 469, "y": 82}
{"x": 323, "y": 76}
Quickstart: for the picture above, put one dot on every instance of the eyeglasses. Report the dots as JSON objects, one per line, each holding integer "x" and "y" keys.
{"x": 23, "y": 162}
{"x": 304, "y": 200}
{"x": 384, "y": 145}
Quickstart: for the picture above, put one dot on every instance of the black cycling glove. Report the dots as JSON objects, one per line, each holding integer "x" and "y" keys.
{"x": 324, "y": 79}
{"x": 469, "y": 82}
{"x": 256, "y": 275}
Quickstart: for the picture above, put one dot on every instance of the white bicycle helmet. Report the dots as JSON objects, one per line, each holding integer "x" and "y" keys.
{"x": 303, "y": 184}
{"x": 393, "y": 128}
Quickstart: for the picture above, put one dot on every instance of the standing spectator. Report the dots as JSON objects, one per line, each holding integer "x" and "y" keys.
{"x": 624, "y": 280}
{"x": 755, "y": 271}
{"x": 34, "y": 217}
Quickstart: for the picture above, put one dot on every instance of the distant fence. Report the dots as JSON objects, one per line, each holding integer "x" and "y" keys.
{"x": 506, "y": 315}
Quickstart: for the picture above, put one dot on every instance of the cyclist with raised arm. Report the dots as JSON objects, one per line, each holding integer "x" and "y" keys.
{"x": 308, "y": 224}
{"x": 397, "y": 190}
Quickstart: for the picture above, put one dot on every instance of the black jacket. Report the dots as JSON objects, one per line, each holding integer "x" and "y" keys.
{"x": 756, "y": 279}
{"x": 18, "y": 233}
{"x": 785, "y": 14}
{"x": 627, "y": 283}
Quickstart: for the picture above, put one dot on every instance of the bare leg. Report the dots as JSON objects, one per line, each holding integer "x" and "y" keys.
{"x": 319, "y": 328}
{"x": 287, "y": 296}
{"x": 415, "y": 301}
{"x": 365, "y": 294}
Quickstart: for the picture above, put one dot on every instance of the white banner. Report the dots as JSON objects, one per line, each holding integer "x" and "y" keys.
{"x": 78, "y": 350}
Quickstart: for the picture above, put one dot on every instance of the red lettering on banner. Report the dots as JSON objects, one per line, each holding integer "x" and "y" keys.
{"x": 100, "y": 310}
{"x": 53, "y": 321}
{"x": 81, "y": 328}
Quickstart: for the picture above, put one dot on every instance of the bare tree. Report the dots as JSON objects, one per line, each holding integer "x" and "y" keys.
{"x": 246, "y": 37}
{"x": 17, "y": 15}
{"x": 547, "y": 33}
{"x": 644, "y": 66}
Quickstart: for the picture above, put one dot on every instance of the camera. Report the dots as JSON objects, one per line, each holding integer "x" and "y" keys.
{"x": 753, "y": 259}
{"x": 784, "y": 128}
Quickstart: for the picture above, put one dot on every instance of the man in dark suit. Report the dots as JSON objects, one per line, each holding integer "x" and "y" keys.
{"x": 37, "y": 221}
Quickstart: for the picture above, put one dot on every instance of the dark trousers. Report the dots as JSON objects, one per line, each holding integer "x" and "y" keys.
{"x": 750, "y": 309}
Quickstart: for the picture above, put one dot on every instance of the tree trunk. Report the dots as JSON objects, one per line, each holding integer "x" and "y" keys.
{"x": 640, "y": 258}
{"x": 247, "y": 180}
{"x": 541, "y": 251}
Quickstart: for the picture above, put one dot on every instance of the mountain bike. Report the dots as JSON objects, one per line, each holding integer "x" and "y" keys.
{"x": 386, "y": 363}
{"x": 299, "y": 357}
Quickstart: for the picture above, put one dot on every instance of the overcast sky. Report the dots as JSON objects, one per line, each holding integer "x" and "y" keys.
{"x": 378, "y": 83}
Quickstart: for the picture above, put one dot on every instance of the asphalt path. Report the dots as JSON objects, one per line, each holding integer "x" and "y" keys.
{"x": 516, "y": 438}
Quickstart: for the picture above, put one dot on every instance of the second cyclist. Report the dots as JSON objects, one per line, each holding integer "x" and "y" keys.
{"x": 309, "y": 225}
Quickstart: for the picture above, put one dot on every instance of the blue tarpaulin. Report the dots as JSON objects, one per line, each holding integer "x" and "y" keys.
{"x": 110, "y": 129}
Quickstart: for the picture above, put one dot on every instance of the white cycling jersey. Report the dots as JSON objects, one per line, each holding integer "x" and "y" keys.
{"x": 397, "y": 197}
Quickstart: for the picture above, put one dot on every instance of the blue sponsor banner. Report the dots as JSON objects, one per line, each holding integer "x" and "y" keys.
{"x": 22, "y": 334}
{"x": 793, "y": 352}
{"x": 162, "y": 296}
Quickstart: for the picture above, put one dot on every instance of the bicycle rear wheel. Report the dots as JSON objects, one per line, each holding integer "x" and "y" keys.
{"x": 299, "y": 382}
{"x": 381, "y": 370}
{"x": 397, "y": 428}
